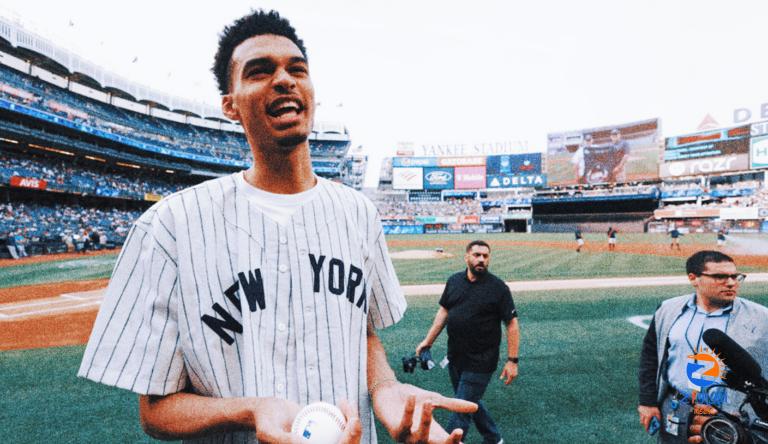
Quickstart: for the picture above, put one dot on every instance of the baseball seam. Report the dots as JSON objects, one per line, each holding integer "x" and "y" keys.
{"x": 327, "y": 411}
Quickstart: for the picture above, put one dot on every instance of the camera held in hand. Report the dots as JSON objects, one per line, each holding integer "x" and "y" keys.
{"x": 745, "y": 376}
{"x": 424, "y": 358}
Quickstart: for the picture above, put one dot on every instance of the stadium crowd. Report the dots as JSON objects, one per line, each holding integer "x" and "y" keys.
{"x": 40, "y": 229}
{"x": 219, "y": 144}
{"x": 449, "y": 207}
{"x": 81, "y": 178}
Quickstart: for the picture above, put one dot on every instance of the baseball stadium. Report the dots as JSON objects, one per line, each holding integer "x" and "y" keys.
{"x": 84, "y": 152}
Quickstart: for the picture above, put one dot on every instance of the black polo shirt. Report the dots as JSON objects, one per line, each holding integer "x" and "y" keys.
{"x": 475, "y": 311}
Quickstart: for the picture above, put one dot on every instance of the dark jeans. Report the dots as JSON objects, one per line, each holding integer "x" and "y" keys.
{"x": 471, "y": 387}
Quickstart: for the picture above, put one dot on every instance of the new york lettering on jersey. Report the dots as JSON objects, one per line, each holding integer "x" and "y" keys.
{"x": 259, "y": 299}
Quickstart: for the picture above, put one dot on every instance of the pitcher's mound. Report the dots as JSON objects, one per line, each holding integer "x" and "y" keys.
{"x": 420, "y": 254}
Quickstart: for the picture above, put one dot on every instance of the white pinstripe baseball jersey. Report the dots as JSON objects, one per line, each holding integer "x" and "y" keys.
{"x": 211, "y": 290}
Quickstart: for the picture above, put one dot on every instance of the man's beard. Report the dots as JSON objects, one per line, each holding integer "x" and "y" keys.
{"x": 476, "y": 272}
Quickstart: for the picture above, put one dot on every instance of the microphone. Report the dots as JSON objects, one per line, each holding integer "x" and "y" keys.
{"x": 742, "y": 367}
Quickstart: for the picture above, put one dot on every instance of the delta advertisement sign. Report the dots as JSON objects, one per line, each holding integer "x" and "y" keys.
{"x": 515, "y": 171}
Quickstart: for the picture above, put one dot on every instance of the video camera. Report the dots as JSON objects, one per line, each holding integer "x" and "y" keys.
{"x": 744, "y": 375}
{"x": 425, "y": 358}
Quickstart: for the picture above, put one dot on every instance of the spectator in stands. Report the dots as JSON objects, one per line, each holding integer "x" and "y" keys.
{"x": 103, "y": 240}
{"x": 620, "y": 150}
{"x": 68, "y": 241}
{"x": 83, "y": 241}
{"x": 10, "y": 243}
{"x": 21, "y": 243}
{"x": 94, "y": 236}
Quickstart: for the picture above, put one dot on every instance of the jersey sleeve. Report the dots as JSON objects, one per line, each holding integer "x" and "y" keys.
{"x": 507, "y": 308}
{"x": 387, "y": 302}
{"x": 134, "y": 342}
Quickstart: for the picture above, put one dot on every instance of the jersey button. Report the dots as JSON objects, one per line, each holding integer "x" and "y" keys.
{"x": 283, "y": 268}
{"x": 279, "y": 388}
{"x": 283, "y": 240}
{"x": 281, "y": 327}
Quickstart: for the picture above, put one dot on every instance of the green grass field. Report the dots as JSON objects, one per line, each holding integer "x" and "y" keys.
{"x": 578, "y": 357}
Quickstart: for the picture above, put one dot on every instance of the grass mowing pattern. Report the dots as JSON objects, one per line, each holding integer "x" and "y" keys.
{"x": 578, "y": 364}
{"x": 42, "y": 400}
{"x": 578, "y": 356}
{"x": 91, "y": 267}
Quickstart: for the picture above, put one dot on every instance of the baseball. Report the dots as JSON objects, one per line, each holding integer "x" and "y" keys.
{"x": 320, "y": 423}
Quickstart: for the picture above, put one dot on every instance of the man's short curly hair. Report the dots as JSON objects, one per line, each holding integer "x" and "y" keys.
{"x": 253, "y": 24}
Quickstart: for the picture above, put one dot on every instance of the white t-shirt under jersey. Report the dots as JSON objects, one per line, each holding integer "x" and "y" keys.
{"x": 279, "y": 207}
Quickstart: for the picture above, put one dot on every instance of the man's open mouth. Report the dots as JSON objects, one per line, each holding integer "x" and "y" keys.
{"x": 285, "y": 107}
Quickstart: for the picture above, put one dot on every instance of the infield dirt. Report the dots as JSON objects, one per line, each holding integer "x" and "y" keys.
{"x": 72, "y": 325}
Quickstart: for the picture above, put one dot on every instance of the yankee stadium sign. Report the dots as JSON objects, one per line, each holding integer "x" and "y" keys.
{"x": 471, "y": 149}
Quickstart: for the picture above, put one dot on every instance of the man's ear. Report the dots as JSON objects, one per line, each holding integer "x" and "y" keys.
{"x": 228, "y": 108}
{"x": 693, "y": 278}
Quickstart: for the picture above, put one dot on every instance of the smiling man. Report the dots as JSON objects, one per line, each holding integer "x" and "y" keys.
{"x": 675, "y": 334}
{"x": 473, "y": 306}
{"x": 238, "y": 301}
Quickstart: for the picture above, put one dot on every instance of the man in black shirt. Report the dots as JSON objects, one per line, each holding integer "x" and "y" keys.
{"x": 472, "y": 306}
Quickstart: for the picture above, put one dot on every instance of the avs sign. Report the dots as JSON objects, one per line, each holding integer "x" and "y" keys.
{"x": 24, "y": 182}
{"x": 706, "y": 165}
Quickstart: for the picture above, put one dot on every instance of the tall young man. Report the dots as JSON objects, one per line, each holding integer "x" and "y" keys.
{"x": 239, "y": 300}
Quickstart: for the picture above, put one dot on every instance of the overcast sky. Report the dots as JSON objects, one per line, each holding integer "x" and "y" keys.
{"x": 450, "y": 71}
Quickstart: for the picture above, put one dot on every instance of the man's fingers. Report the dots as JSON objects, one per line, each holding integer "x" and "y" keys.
{"x": 455, "y": 437}
{"x": 404, "y": 429}
{"x": 422, "y": 433}
{"x": 353, "y": 430}
{"x": 455, "y": 405}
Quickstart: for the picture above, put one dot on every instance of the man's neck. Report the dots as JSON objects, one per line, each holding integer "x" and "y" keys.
{"x": 282, "y": 172}
{"x": 704, "y": 304}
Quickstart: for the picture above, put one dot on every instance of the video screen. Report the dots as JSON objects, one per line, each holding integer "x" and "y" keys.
{"x": 611, "y": 154}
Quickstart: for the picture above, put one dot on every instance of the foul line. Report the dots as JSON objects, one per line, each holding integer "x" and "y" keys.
{"x": 59, "y": 303}
{"x": 571, "y": 284}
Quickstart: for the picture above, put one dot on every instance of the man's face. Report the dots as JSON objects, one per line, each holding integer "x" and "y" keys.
{"x": 587, "y": 142}
{"x": 270, "y": 92}
{"x": 477, "y": 259}
{"x": 717, "y": 294}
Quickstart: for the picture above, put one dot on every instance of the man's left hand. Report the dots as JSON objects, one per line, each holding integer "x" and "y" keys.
{"x": 699, "y": 420}
{"x": 406, "y": 412}
{"x": 509, "y": 372}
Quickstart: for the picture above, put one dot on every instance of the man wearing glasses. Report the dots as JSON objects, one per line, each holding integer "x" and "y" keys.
{"x": 676, "y": 332}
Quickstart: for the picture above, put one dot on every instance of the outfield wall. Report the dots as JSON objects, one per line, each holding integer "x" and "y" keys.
{"x": 593, "y": 225}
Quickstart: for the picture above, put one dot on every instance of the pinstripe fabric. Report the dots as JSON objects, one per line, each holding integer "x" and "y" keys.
{"x": 210, "y": 289}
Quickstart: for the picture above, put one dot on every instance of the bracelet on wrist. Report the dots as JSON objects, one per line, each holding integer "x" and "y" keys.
{"x": 370, "y": 392}
{"x": 512, "y": 360}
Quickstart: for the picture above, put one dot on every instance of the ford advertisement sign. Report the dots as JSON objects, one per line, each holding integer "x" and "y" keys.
{"x": 438, "y": 178}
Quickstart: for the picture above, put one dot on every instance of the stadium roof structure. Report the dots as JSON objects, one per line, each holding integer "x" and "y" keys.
{"x": 19, "y": 42}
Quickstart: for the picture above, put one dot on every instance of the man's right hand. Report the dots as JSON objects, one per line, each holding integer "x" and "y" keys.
{"x": 646, "y": 413}
{"x": 188, "y": 416}
{"x": 422, "y": 345}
